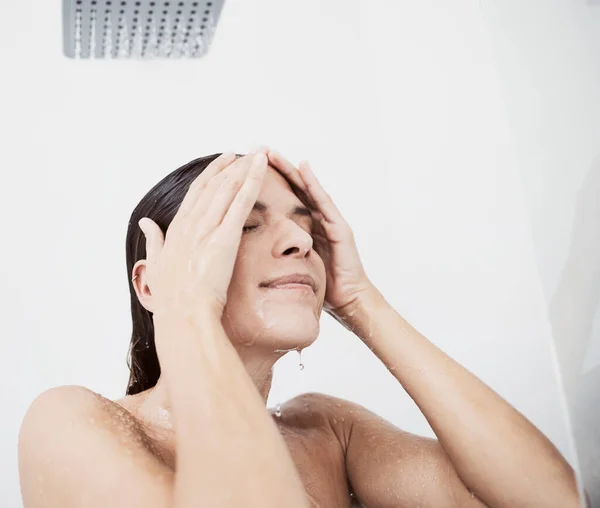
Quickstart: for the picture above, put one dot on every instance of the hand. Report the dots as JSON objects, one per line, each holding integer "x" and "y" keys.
{"x": 333, "y": 240}
{"x": 191, "y": 267}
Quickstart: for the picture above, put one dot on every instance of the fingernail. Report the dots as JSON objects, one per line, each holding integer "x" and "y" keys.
{"x": 228, "y": 155}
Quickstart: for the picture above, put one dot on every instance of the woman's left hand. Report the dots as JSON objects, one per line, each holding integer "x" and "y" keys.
{"x": 333, "y": 240}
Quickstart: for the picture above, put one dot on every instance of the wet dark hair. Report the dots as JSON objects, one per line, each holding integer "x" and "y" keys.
{"x": 160, "y": 204}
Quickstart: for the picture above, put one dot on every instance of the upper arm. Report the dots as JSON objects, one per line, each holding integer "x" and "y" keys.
{"x": 70, "y": 456}
{"x": 388, "y": 467}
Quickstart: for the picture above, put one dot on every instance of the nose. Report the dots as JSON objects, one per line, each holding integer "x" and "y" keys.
{"x": 293, "y": 241}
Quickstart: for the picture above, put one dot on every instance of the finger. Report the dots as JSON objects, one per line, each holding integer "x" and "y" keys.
{"x": 205, "y": 199}
{"x": 224, "y": 196}
{"x": 286, "y": 168}
{"x": 319, "y": 196}
{"x": 202, "y": 180}
{"x": 242, "y": 204}
{"x": 155, "y": 238}
{"x": 292, "y": 175}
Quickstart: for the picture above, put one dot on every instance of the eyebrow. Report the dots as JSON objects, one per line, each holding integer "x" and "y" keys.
{"x": 302, "y": 211}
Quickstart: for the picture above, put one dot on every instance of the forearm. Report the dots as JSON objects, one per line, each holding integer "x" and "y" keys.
{"x": 498, "y": 454}
{"x": 229, "y": 451}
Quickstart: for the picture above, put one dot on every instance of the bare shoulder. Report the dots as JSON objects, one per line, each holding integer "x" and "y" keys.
{"x": 326, "y": 413}
{"x": 355, "y": 425}
{"x": 65, "y": 396}
{"x": 57, "y": 407}
{"x": 76, "y": 447}
{"x": 386, "y": 465}
{"x": 65, "y": 406}
{"x": 327, "y": 406}
{"x": 59, "y": 416}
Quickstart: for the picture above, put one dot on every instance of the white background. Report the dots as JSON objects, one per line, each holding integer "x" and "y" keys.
{"x": 402, "y": 113}
{"x": 548, "y": 56}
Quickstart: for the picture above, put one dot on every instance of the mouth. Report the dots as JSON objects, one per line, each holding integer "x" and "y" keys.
{"x": 295, "y": 281}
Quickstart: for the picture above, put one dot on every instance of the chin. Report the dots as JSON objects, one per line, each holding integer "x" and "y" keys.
{"x": 275, "y": 328}
{"x": 284, "y": 338}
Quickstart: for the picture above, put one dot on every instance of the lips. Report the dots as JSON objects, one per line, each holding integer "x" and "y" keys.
{"x": 295, "y": 278}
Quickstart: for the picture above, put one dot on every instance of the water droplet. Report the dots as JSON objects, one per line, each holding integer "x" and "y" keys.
{"x": 278, "y": 411}
{"x": 301, "y": 364}
{"x": 472, "y": 495}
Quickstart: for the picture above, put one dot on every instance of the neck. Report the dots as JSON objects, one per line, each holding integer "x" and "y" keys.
{"x": 260, "y": 368}
{"x": 155, "y": 402}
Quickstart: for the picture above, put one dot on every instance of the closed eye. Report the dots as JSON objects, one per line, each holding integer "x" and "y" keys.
{"x": 252, "y": 227}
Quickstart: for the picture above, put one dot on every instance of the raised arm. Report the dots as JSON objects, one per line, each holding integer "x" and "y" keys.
{"x": 494, "y": 450}
{"x": 229, "y": 450}
{"x": 388, "y": 467}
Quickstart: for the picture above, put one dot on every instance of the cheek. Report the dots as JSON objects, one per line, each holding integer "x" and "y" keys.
{"x": 245, "y": 271}
{"x": 241, "y": 268}
{"x": 321, "y": 272}
{"x": 320, "y": 267}
{"x": 239, "y": 277}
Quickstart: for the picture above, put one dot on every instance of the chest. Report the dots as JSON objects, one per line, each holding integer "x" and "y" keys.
{"x": 319, "y": 461}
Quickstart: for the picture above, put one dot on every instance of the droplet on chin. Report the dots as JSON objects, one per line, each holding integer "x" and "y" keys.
{"x": 278, "y": 410}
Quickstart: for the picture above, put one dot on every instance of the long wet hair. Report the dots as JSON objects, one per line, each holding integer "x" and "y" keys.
{"x": 160, "y": 204}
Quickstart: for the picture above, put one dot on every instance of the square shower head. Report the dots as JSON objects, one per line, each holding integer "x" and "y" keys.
{"x": 141, "y": 29}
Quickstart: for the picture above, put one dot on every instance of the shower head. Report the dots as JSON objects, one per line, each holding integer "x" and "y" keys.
{"x": 141, "y": 29}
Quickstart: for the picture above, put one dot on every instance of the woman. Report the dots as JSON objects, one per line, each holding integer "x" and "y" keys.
{"x": 251, "y": 255}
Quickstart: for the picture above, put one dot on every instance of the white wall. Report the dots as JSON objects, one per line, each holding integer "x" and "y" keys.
{"x": 399, "y": 108}
{"x": 548, "y": 56}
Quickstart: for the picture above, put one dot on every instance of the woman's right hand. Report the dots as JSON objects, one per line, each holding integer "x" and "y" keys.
{"x": 189, "y": 269}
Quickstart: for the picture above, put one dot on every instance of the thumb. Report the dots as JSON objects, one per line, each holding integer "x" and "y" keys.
{"x": 155, "y": 238}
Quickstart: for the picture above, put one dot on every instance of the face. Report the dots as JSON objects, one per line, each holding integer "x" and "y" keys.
{"x": 262, "y": 311}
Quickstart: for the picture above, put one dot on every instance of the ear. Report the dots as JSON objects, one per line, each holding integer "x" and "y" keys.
{"x": 139, "y": 280}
